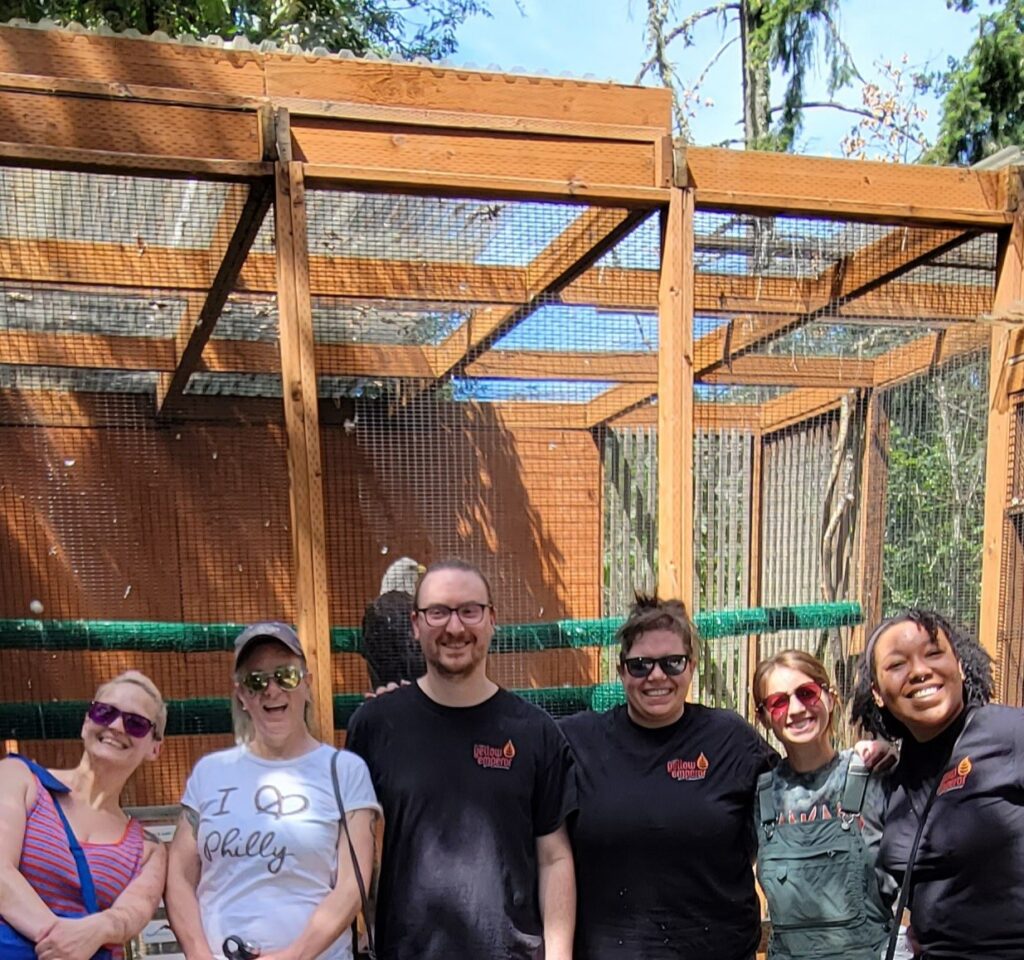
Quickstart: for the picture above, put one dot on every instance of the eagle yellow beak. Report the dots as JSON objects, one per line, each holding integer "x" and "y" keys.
{"x": 420, "y": 569}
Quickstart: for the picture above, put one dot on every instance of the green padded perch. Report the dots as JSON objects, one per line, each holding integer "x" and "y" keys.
{"x": 509, "y": 638}
{"x": 63, "y": 720}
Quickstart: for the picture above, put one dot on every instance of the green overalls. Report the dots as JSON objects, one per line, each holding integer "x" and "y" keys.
{"x": 819, "y": 880}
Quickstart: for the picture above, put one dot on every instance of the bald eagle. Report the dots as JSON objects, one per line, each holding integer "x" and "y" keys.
{"x": 392, "y": 653}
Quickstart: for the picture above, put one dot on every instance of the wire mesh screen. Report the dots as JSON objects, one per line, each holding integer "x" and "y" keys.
{"x": 1010, "y": 661}
{"x": 488, "y": 379}
{"x": 131, "y": 539}
{"x": 848, "y": 354}
{"x": 481, "y": 349}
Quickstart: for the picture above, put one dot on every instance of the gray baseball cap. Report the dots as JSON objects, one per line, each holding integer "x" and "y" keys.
{"x": 267, "y": 630}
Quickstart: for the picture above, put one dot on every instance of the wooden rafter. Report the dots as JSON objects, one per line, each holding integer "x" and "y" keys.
{"x": 868, "y": 269}
{"x": 70, "y": 263}
{"x": 236, "y": 249}
{"x": 578, "y": 247}
{"x": 766, "y": 184}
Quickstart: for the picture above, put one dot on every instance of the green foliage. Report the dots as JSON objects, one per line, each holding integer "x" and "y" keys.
{"x": 935, "y": 493}
{"x": 405, "y": 27}
{"x": 786, "y": 35}
{"x": 983, "y": 107}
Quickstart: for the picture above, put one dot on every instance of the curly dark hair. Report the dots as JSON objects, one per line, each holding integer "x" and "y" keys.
{"x": 649, "y": 613}
{"x": 976, "y": 663}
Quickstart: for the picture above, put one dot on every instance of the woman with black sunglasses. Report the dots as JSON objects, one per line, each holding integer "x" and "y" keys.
{"x": 819, "y": 823}
{"x": 78, "y": 876}
{"x": 664, "y": 837}
{"x": 260, "y": 852}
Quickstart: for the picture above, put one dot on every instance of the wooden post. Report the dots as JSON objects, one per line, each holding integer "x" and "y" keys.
{"x": 298, "y": 385}
{"x": 1009, "y": 290}
{"x": 754, "y": 562}
{"x": 874, "y": 481}
{"x": 675, "y": 400}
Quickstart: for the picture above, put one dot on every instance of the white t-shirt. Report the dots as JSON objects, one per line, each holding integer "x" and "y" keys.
{"x": 268, "y": 842}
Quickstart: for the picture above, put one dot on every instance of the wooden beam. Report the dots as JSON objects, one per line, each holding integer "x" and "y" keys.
{"x": 578, "y": 247}
{"x": 555, "y": 365}
{"x": 874, "y": 484}
{"x": 235, "y": 251}
{"x": 124, "y": 60}
{"x": 765, "y": 184}
{"x": 438, "y": 90}
{"x": 870, "y": 268}
{"x": 128, "y": 164}
{"x": 1009, "y": 290}
{"x": 472, "y": 185}
{"x": 797, "y": 371}
{"x": 798, "y": 405}
{"x": 390, "y": 154}
{"x": 615, "y": 402}
{"x": 299, "y": 388}
{"x": 756, "y": 511}
{"x": 458, "y": 119}
{"x": 675, "y": 401}
{"x": 128, "y": 127}
{"x": 117, "y": 266}
{"x": 932, "y": 350}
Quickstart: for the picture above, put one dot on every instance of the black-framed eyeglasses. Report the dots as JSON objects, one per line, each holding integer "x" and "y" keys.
{"x": 438, "y": 614}
{"x": 287, "y": 677}
{"x": 640, "y": 668}
{"x": 135, "y": 724}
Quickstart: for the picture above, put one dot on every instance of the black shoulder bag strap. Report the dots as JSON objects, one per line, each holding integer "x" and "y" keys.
{"x": 908, "y": 873}
{"x": 371, "y": 949}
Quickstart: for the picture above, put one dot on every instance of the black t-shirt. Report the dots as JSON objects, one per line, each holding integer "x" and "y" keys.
{"x": 664, "y": 839}
{"x": 465, "y": 792}
{"x": 968, "y": 894}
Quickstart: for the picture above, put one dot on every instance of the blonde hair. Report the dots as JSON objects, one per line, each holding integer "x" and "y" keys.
{"x": 140, "y": 680}
{"x": 800, "y": 660}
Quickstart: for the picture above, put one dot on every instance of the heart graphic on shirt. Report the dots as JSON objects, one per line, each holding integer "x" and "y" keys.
{"x": 271, "y": 801}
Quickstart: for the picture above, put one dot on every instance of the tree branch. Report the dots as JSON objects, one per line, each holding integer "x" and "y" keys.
{"x": 830, "y": 104}
{"x": 683, "y": 29}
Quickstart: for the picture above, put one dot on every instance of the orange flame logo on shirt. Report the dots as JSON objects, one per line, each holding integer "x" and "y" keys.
{"x": 509, "y": 751}
{"x": 702, "y": 762}
{"x": 956, "y": 778}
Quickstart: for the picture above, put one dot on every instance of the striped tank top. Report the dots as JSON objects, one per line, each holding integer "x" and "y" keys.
{"x": 48, "y": 865}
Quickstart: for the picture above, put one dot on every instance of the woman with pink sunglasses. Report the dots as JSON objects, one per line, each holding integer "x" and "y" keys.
{"x": 78, "y": 876}
{"x": 819, "y": 823}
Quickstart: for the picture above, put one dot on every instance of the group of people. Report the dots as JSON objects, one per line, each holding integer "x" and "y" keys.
{"x": 625, "y": 835}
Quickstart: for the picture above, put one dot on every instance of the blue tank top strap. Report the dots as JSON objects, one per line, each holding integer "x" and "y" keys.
{"x": 46, "y": 778}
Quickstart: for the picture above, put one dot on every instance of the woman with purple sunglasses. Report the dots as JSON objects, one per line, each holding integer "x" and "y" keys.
{"x": 78, "y": 876}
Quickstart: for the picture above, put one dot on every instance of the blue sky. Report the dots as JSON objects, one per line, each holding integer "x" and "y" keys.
{"x": 605, "y": 39}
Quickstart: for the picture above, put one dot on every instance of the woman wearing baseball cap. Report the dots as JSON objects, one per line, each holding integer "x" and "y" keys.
{"x": 267, "y": 810}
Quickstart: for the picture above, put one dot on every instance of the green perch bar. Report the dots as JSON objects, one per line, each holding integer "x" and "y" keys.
{"x": 148, "y": 636}
{"x": 63, "y": 720}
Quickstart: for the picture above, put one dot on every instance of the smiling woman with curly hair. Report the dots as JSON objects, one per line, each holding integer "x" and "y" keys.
{"x": 958, "y": 793}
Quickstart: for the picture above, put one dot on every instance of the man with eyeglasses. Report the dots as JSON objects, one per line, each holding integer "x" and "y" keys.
{"x": 476, "y": 785}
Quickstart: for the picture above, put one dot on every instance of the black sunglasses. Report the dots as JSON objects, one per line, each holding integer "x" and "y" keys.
{"x": 104, "y": 714}
{"x": 642, "y": 667}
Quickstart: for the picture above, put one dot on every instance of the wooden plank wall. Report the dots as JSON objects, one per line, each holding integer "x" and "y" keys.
{"x": 108, "y": 514}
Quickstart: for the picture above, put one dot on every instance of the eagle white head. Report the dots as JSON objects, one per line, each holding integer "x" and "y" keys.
{"x": 402, "y": 575}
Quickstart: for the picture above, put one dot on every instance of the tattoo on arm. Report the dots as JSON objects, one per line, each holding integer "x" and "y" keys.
{"x": 192, "y": 817}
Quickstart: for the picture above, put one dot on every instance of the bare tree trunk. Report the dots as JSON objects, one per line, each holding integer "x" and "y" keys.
{"x": 756, "y": 76}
